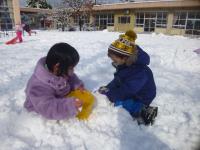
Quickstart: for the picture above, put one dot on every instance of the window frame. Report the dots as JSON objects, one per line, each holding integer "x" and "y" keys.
{"x": 140, "y": 21}
{"x": 124, "y": 19}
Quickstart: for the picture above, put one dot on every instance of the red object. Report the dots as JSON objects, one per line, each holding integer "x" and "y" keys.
{"x": 19, "y": 36}
{"x": 13, "y": 41}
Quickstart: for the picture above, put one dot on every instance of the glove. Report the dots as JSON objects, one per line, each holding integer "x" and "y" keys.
{"x": 103, "y": 90}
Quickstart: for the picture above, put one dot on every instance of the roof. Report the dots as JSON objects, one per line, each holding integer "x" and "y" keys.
{"x": 34, "y": 10}
{"x": 149, "y": 4}
{"x": 131, "y": 5}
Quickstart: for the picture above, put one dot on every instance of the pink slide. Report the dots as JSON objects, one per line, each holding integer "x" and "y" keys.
{"x": 12, "y": 41}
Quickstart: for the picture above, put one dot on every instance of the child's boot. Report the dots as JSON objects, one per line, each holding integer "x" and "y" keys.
{"x": 149, "y": 114}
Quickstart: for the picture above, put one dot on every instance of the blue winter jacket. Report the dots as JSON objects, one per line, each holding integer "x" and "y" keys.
{"x": 133, "y": 82}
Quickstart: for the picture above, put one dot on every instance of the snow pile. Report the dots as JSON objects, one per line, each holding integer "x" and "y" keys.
{"x": 177, "y": 74}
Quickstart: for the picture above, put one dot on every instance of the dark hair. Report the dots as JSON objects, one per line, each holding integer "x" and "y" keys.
{"x": 65, "y": 55}
{"x": 111, "y": 52}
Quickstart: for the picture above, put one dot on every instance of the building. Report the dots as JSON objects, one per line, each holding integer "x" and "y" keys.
{"x": 170, "y": 17}
{"x": 173, "y": 17}
{"x": 37, "y": 18}
{"x": 9, "y": 14}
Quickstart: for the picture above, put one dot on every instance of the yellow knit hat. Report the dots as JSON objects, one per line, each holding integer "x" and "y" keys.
{"x": 125, "y": 44}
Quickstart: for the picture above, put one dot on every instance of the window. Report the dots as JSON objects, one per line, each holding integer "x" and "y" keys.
{"x": 193, "y": 23}
{"x": 140, "y": 19}
{"x": 110, "y": 20}
{"x": 151, "y": 15}
{"x": 124, "y": 19}
{"x": 179, "y": 20}
{"x": 85, "y": 20}
{"x": 3, "y": 3}
{"x": 6, "y": 16}
{"x": 104, "y": 20}
{"x": 190, "y": 21}
{"x": 97, "y": 17}
{"x": 161, "y": 20}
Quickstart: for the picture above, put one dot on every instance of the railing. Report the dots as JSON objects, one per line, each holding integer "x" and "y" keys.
{"x": 7, "y": 34}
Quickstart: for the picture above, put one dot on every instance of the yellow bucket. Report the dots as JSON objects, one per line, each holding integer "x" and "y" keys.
{"x": 88, "y": 102}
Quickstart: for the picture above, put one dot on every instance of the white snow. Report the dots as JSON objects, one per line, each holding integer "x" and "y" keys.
{"x": 176, "y": 70}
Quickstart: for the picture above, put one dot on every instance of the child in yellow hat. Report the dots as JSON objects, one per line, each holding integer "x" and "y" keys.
{"x": 133, "y": 86}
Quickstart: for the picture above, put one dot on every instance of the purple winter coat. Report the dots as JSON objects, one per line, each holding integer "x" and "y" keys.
{"x": 45, "y": 93}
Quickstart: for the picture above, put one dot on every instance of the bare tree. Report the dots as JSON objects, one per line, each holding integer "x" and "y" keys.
{"x": 38, "y": 4}
{"x": 79, "y": 8}
{"x": 62, "y": 16}
{"x": 42, "y": 16}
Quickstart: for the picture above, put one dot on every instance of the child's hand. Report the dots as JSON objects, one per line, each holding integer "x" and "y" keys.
{"x": 78, "y": 103}
{"x": 81, "y": 88}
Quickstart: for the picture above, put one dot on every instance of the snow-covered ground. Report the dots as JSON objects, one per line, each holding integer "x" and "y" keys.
{"x": 176, "y": 70}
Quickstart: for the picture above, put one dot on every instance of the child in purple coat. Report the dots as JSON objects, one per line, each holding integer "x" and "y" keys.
{"x": 52, "y": 80}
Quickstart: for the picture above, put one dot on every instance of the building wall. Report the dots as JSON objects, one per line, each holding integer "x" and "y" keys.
{"x": 169, "y": 29}
{"x": 123, "y": 27}
{"x": 37, "y": 18}
{"x": 169, "y": 21}
{"x": 171, "y": 7}
{"x": 16, "y": 11}
{"x": 130, "y": 9}
{"x": 9, "y": 14}
{"x": 6, "y": 15}
{"x": 139, "y": 29}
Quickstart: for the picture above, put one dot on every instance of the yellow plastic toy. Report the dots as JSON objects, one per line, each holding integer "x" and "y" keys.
{"x": 88, "y": 102}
